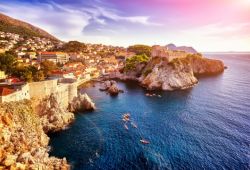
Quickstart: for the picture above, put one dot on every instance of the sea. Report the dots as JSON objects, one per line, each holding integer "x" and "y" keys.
{"x": 206, "y": 127}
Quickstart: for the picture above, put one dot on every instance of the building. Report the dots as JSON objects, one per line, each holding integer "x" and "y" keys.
{"x": 158, "y": 51}
{"x": 56, "y": 57}
{"x": 57, "y": 74}
{"x": 10, "y": 93}
{"x": 2, "y": 75}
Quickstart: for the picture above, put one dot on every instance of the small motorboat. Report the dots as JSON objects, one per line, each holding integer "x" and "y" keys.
{"x": 134, "y": 125}
{"x": 159, "y": 95}
{"x": 126, "y": 117}
{"x": 147, "y": 94}
{"x": 143, "y": 141}
{"x": 125, "y": 126}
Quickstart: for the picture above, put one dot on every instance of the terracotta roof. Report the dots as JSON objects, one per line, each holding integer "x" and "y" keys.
{"x": 4, "y": 91}
{"x": 51, "y": 53}
{"x": 60, "y": 72}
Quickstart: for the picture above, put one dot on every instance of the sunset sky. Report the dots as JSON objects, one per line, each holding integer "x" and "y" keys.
{"x": 207, "y": 25}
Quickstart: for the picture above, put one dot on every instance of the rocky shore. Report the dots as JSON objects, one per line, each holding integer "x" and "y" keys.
{"x": 110, "y": 86}
{"x": 180, "y": 73}
{"x": 23, "y": 128}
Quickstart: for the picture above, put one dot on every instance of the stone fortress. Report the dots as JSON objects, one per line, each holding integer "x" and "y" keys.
{"x": 159, "y": 51}
{"x": 65, "y": 92}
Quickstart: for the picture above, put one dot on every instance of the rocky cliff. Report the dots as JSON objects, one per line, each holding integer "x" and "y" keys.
{"x": 180, "y": 73}
{"x": 81, "y": 103}
{"x": 23, "y": 128}
{"x": 168, "y": 76}
{"x": 53, "y": 116}
{"x": 23, "y": 143}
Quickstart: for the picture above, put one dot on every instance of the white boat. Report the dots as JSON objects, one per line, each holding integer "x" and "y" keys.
{"x": 125, "y": 126}
{"x": 143, "y": 141}
{"x": 134, "y": 125}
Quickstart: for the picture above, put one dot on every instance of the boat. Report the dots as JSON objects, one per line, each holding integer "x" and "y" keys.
{"x": 126, "y": 117}
{"x": 143, "y": 141}
{"x": 134, "y": 125}
{"x": 126, "y": 127}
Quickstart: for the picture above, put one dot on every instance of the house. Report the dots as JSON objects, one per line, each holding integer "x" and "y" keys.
{"x": 13, "y": 80}
{"x": 57, "y": 74}
{"x": 2, "y": 75}
{"x": 73, "y": 65}
{"x": 14, "y": 93}
{"x": 74, "y": 56}
{"x": 31, "y": 55}
{"x": 56, "y": 57}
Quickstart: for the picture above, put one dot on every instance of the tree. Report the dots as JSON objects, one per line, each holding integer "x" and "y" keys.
{"x": 73, "y": 46}
{"x": 7, "y": 63}
{"x": 47, "y": 67}
{"x": 39, "y": 76}
{"x": 140, "y": 49}
{"x": 133, "y": 61}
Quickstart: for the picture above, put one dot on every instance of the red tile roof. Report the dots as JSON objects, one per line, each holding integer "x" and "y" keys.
{"x": 4, "y": 91}
{"x": 51, "y": 53}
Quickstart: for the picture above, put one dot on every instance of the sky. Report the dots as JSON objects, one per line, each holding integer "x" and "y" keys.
{"x": 207, "y": 25}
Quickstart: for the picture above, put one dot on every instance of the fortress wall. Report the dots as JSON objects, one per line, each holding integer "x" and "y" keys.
{"x": 42, "y": 89}
{"x": 64, "y": 91}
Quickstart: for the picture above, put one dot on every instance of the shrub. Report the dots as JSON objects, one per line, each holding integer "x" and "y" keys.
{"x": 140, "y": 49}
{"x": 133, "y": 61}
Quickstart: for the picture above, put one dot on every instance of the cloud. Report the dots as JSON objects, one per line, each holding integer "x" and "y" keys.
{"x": 221, "y": 30}
{"x": 69, "y": 22}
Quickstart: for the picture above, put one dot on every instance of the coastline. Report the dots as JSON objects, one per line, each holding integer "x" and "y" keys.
{"x": 51, "y": 115}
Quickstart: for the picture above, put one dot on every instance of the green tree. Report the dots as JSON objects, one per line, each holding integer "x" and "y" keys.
{"x": 7, "y": 63}
{"x": 47, "y": 67}
{"x": 140, "y": 49}
{"x": 38, "y": 76}
{"x": 131, "y": 63}
{"x": 73, "y": 46}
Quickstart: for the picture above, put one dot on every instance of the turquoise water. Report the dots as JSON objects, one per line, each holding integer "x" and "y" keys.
{"x": 206, "y": 127}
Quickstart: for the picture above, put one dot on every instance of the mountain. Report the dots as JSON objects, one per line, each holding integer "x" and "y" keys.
{"x": 181, "y": 48}
{"x": 8, "y": 24}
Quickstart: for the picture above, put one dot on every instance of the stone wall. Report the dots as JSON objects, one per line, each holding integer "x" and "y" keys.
{"x": 64, "y": 91}
{"x": 43, "y": 88}
{"x": 39, "y": 90}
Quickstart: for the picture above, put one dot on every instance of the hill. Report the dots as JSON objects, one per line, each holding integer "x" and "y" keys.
{"x": 181, "y": 48}
{"x": 8, "y": 24}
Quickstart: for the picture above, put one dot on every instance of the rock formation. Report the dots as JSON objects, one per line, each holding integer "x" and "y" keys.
{"x": 23, "y": 128}
{"x": 168, "y": 76}
{"x": 179, "y": 73}
{"x": 81, "y": 103}
{"x": 23, "y": 143}
{"x": 53, "y": 116}
{"x": 111, "y": 87}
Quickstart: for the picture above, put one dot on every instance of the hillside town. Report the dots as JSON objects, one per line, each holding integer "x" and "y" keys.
{"x": 37, "y": 59}
{"x": 90, "y": 62}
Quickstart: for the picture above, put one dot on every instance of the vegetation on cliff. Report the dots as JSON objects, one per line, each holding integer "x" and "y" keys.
{"x": 140, "y": 49}
{"x": 131, "y": 63}
{"x": 73, "y": 46}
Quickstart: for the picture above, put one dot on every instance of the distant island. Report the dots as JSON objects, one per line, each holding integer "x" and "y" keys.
{"x": 39, "y": 76}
